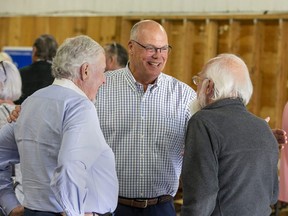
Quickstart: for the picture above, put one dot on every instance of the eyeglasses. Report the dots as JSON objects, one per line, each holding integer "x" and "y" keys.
{"x": 196, "y": 79}
{"x": 2, "y": 63}
{"x": 150, "y": 49}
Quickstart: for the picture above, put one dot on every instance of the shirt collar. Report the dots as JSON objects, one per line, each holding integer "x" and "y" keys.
{"x": 136, "y": 84}
{"x": 68, "y": 84}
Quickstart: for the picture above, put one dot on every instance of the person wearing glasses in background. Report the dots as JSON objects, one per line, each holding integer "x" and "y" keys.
{"x": 230, "y": 157}
{"x": 116, "y": 56}
{"x": 10, "y": 90}
{"x": 143, "y": 114}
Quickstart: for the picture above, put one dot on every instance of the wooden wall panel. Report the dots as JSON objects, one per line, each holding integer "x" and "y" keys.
{"x": 62, "y": 27}
{"x": 260, "y": 40}
{"x": 103, "y": 29}
{"x": 4, "y": 34}
{"x": 254, "y": 67}
{"x": 211, "y": 37}
{"x": 14, "y": 31}
{"x": 199, "y": 45}
{"x": 281, "y": 71}
{"x": 188, "y": 40}
{"x": 268, "y": 67}
{"x": 225, "y": 36}
{"x": 125, "y": 28}
{"x": 41, "y": 26}
{"x": 175, "y": 31}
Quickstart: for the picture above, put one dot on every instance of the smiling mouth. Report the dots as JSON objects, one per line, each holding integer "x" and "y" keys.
{"x": 155, "y": 64}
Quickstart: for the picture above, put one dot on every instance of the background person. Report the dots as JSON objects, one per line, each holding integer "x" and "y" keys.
{"x": 116, "y": 56}
{"x": 10, "y": 90}
{"x": 283, "y": 186}
{"x": 38, "y": 74}
{"x": 66, "y": 163}
{"x": 230, "y": 158}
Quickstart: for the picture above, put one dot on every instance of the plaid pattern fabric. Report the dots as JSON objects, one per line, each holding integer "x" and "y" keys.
{"x": 146, "y": 131}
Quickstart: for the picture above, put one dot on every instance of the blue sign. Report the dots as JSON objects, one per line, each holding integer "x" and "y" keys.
{"x": 21, "y": 56}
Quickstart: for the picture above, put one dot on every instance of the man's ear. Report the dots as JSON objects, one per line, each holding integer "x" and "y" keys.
{"x": 84, "y": 71}
{"x": 130, "y": 47}
{"x": 34, "y": 55}
{"x": 210, "y": 88}
{"x": 109, "y": 60}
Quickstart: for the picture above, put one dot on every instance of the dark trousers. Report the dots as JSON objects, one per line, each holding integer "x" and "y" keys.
{"x": 29, "y": 212}
{"x": 162, "y": 209}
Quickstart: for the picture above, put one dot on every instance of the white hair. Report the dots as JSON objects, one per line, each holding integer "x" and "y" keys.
{"x": 230, "y": 76}
{"x": 72, "y": 54}
{"x": 10, "y": 81}
{"x": 5, "y": 57}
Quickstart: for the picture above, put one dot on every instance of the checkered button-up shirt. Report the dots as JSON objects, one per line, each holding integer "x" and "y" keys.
{"x": 146, "y": 131}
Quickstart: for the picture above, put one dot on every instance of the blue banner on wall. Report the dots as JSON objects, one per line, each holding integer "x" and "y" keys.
{"x": 21, "y": 56}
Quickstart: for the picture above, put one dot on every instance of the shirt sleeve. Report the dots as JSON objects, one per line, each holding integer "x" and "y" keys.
{"x": 199, "y": 171}
{"x": 8, "y": 155}
{"x": 79, "y": 149}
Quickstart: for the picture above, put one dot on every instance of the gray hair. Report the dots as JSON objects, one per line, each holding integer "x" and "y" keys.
{"x": 116, "y": 49}
{"x": 10, "y": 81}
{"x": 230, "y": 76}
{"x": 5, "y": 57}
{"x": 72, "y": 54}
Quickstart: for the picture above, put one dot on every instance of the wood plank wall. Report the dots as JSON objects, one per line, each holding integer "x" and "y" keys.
{"x": 261, "y": 40}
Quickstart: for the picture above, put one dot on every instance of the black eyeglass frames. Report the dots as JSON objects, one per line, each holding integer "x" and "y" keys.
{"x": 152, "y": 49}
{"x": 2, "y": 63}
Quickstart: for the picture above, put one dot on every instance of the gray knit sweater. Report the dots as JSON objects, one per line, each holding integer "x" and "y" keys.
{"x": 230, "y": 163}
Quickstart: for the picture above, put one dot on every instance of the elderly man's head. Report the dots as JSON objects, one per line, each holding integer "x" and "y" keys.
{"x": 81, "y": 60}
{"x": 225, "y": 76}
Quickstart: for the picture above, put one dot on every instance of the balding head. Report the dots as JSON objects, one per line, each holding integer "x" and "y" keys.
{"x": 145, "y": 28}
{"x": 148, "y": 50}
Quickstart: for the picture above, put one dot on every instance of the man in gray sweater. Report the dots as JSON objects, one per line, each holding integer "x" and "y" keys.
{"x": 230, "y": 158}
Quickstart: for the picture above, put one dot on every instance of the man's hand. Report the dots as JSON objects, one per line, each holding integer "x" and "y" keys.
{"x": 18, "y": 211}
{"x": 280, "y": 135}
{"x": 14, "y": 114}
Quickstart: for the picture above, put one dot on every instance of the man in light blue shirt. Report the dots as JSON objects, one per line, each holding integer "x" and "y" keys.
{"x": 66, "y": 163}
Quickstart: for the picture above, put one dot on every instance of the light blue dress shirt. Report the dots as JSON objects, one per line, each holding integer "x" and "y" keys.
{"x": 146, "y": 131}
{"x": 5, "y": 110}
{"x": 65, "y": 161}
